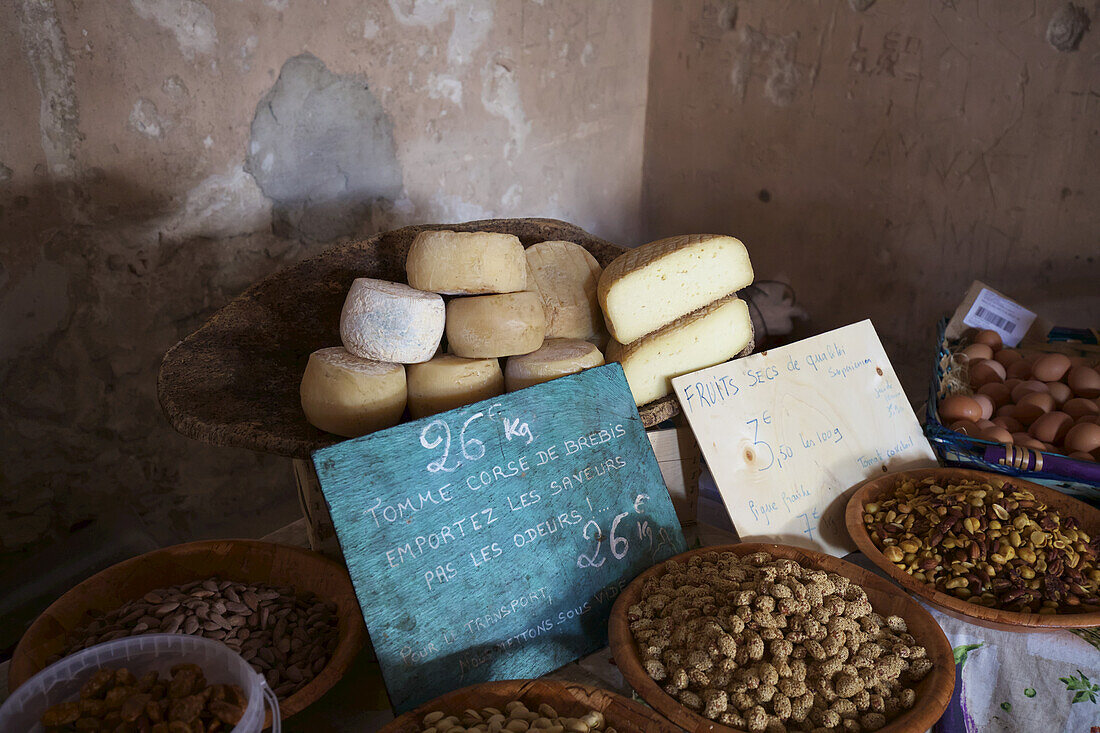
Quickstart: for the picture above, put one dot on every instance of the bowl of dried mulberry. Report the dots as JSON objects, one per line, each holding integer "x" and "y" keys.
{"x": 992, "y": 550}
{"x": 771, "y": 638}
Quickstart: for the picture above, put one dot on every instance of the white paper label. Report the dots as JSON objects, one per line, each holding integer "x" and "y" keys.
{"x": 1002, "y": 315}
{"x": 787, "y": 431}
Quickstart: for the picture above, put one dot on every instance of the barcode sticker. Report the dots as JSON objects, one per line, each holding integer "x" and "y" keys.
{"x": 1000, "y": 314}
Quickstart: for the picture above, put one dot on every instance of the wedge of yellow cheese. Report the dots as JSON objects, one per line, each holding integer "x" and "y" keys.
{"x": 709, "y": 336}
{"x": 651, "y": 286}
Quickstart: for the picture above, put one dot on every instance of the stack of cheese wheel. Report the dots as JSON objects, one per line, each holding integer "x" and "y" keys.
{"x": 1044, "y": 401}
{"x": 363, "y": 386}
{"x": 538, "y": 309}
{"x": 671, "y": 307}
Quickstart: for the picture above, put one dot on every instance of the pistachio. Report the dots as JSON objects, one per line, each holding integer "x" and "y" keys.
{"x": 995, "y": 545}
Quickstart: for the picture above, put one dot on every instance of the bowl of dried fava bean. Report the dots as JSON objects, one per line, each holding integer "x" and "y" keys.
{"x": 992, "y": 550}
{"x": 511, "y": 705}
{"x": 761, "y": 637}
{"x": 289, "y": 612}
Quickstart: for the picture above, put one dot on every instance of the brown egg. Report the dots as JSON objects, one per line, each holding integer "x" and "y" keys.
{"x": 992, "y": 339}
{"x": 959, "y": 407}
{"x": 1079, "y": 456}
{"x": 1008, "y": 357}
{"x": 1060, "y": 392}
{"x": 1094, "y": 419}
{"x": 996, "y": 435}
{"x": 1084, "y": 437}
{"x": 987, "y": 405}
{"x": 1008, "y": 411}
{"x": 1025, "y": 388}
{"x": 1079, "y": 407}
{"x": 1084, "y": 381}
{"x": 966, "y": 427}
{"x": 985, "y": 372}
{"x": 999, "y": 393}
{"x": 1051, "y": 427}
{"x": 1032, "y": 406}
{"x": 1010, "y": 424}
{"x": 1050, "y": 367}
{"x": 1012, "y": 383}
{"x": 1027, "y": 441}
{"x": 1019, "y": 370}
{"x": 977, "y": 352}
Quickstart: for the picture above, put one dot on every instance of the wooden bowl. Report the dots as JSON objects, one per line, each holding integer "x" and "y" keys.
{"x": 933, "y": 692}
{"x": 239, "y": 560}
{"x": 991, "y": 618}
{"x": 567, "y": 698}
{"x": 235, "y": 381}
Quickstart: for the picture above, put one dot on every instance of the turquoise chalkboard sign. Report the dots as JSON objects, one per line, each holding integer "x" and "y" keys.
{"x": 489, "y": 542}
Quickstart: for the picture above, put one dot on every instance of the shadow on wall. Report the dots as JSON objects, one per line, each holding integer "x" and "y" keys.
{"x": 101, "y": 276}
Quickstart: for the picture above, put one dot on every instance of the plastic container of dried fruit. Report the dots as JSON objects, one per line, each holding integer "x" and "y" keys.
{"x": 61, "y": 681}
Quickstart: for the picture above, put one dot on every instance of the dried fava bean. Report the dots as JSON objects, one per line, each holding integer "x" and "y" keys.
{"x": 991, "y": 544}
{"x": 802, "y": 666}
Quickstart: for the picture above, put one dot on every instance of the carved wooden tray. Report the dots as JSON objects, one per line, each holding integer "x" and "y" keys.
{"x": 234, "y": 382}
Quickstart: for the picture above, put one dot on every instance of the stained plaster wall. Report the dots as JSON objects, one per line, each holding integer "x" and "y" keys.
{"x": 883, "y": 159}
{"x": 158, "y": 156}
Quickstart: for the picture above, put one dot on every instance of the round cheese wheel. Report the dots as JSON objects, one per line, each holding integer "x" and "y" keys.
{"x": 350, "y": 396}
{"x": 565, "y": 276}
{"x": 466, "y": 263}
{"x": 488, "y": 326}
{"x": 391, "y": 322}
{"x": 556, "y": 358}
{"x": 450, "y": 381}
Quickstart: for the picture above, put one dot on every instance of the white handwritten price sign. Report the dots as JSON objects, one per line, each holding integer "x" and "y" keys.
{"x": 786, "y": 431}
{"x": 489, "y": 542}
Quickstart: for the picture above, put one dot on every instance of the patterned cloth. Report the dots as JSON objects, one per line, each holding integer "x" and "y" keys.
{"x": 1010, "y": 682}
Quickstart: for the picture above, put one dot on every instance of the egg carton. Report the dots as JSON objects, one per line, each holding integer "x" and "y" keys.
{"x": 1076, "y": 478}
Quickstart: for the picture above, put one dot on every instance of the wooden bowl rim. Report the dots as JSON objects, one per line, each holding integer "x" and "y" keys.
{"x": 956, "y": 607}
{"x": 349, "y": 642}
{"x": 516, "y": 689}
{"x": 939, "y": 685}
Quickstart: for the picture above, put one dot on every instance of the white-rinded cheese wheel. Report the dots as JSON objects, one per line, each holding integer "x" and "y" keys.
{"x": 449, "y": 381}
{"x": 556, "y": 358}
{"x": 488, "y": 326}
{"x": 391, "y": 322}
{"x": 565, "y": 276}
{"x": 466, "y": 263}
{"x": 349, "y": 396}
{"x": 650, "y": 287}
{"x": 701, "y": 339}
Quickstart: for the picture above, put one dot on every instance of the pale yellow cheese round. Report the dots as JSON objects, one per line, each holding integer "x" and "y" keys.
{"x": 565, "y": 275}
{"x": 466, "y": 263}
{"x": 488, "y": 326}
{"x": 350, "y": 396}
{"x": 556, "y": 358}
{"x": 450, "y": 381}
